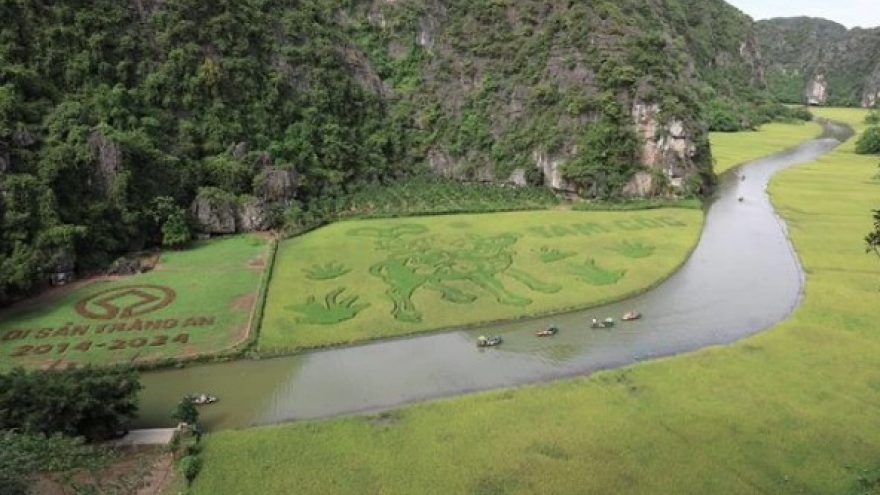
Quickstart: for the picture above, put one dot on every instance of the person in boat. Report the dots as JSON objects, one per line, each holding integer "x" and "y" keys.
{"x": 595, "y": 321}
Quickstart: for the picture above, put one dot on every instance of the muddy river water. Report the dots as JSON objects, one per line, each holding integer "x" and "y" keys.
{"x": 743, "y": 277}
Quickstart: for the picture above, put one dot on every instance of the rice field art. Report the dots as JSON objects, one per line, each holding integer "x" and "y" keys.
{"x": 362, "y": 280}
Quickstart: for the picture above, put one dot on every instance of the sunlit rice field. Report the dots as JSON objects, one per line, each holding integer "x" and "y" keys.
{"x": 786, "y": 411}
{"x": 193, "y": 302}
{"x": 361, "y": 280}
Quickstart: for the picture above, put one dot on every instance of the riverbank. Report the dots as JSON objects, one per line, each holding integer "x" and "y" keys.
{"x": 782, "y": 412}
{"x": 735, "y": 148}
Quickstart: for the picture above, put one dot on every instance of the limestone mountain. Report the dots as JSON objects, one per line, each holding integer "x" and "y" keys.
{"x": 820, "y": 62}
{"x": 122, "y": 120}
{"x": 602, "y": 98}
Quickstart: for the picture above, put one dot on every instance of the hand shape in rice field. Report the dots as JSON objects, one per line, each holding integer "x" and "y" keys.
{"x": 331, "y": 311}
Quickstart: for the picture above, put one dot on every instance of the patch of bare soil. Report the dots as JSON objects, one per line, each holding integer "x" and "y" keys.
{"x": 243, "y": 303}
{"x": 138, "y": 471}
{"x": 267, "y": 235}
{"x": 384, "y": 419}
{"x": 151, "y": 261}
{"x": 257, "y": 262}
{"x": 160, "y": 476}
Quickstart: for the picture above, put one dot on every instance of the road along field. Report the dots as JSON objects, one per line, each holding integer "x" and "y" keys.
{"x": 361, "y": 280}
{"x": 786, "y": 411}
{"x": 194, "y": 302}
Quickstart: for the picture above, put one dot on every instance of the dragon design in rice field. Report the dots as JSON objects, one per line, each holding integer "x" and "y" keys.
{"x": 459, "y": 270}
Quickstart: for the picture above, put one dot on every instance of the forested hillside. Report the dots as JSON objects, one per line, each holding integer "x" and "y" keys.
{"x": 127, "y": 124}
{"x": 820, "y": 62}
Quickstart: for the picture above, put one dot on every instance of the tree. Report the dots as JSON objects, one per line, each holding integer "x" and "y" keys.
{"x": 175, "y": 230}
{"x": 872, "y": 240}
{"x": 869, "y": 142}
{"x": 93, "y": 403}
{"x": 186, "y": 412}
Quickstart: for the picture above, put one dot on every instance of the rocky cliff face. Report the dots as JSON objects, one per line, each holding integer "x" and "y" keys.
{"x": 821, "y": 62}
{"x": 117, "y": 115}
{"x": 501, "y": 90}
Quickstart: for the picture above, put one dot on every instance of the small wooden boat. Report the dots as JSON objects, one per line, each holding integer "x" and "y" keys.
{"x": 201, "y": 399}
{"x": 631, "y": 315}
{"x": 551, "y": 330}
{"x": 484, "y": 341}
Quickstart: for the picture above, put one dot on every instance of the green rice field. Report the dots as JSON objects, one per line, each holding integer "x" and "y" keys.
{"x": 360, "y": 280}
{"x": 193, "y": 302}
{"x": 788, "y": 411}
{"x": 735, "y": 148}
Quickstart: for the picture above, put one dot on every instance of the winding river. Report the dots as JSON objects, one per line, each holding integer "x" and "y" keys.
{"x": 743, "y": 277}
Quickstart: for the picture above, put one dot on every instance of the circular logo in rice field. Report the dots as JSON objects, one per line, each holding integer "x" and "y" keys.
{"x": 125, "y": 302}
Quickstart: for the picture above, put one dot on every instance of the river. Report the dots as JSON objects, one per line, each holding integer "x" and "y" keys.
{"x": 743, "y": 277}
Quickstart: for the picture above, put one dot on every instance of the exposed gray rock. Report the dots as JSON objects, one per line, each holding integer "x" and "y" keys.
{"x": 239, "y": 150}
{"x": 5, "y": 162}
{"x": 641, "y": 185}
{"x": 817, "y": 91}
{"x": 666, "y": 146}
{"x": 23, "y": 137}
{"x": 551, "y": 166}
{"x": 125, "y": 267}
{"x": 252, "y": 214}
{"x": 215, "y": 213}
{"x": 109, "y": 157}
{"x": 277, "y": 184}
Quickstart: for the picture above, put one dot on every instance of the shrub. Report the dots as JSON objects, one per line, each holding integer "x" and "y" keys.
{"x": 869, "y": 141}
{"x": 186, "y": 412}
{"x": 190, "y": 466}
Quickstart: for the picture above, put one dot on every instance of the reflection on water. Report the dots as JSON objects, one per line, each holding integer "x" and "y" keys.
{"x": 742, "y": 278}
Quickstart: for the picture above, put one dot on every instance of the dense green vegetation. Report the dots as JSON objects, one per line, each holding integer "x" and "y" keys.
{"x": 108, "y": 108}
{"x": 86, "y": 402}
{"x": 421, "y": 196}
{"x": 39, "y": 464}
{"x": 781, "y": 412}
{"x": 801, "y": 50}
{"x": 116, "y": 116}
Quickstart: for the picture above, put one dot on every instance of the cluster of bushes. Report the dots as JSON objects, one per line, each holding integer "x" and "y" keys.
{"x": 724, "y": 116}
{"x": 420, "y": 196}
{"x": 869, "y": 140}
{"x": 186, "y": 442}
{"x": 49, "y": 421}
{"x": 88, "y": 402}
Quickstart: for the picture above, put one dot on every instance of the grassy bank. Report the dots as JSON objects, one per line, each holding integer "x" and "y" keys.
{"x": 194, "y": 302}
{"x": 787, "y": 411}
{"x": 734, "y": 148}
{"x": 361, "y": 280}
